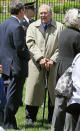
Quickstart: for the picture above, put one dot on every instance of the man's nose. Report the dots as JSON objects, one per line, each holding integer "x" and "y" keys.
{"x": 43, "y": 14}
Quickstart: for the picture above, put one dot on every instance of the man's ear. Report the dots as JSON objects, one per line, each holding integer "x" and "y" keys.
{"x": 51, "y": 13}
{"x": 21, "y": 10}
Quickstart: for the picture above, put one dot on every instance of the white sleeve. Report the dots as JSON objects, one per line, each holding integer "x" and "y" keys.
{"x": 76, "y": 73}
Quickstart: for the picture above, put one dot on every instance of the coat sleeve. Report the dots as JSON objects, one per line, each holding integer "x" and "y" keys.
{"x": 31, "y": 43}
{"x": 54, "y": 57}
{"x": 20, "y": 44}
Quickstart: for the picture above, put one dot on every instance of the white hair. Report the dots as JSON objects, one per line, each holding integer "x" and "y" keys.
{"x": 72, "y": 18}
{"x": 48, "y": 8}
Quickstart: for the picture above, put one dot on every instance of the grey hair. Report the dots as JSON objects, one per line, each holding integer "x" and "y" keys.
{"x": 16, "y": 6}
{"x": 72, "y": 18}
{"x": 45, "y": 6}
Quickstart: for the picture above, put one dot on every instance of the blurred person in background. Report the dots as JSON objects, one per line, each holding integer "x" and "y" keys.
{"x": 29, "y": 14}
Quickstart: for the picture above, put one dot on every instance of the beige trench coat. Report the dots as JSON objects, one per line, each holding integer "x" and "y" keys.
{"x": 46, "y": 45}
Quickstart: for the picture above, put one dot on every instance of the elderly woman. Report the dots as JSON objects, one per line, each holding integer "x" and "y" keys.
{"x": 69, "y": 46}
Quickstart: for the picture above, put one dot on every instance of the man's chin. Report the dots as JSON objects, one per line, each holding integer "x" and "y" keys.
{"x": 45, "y": 22}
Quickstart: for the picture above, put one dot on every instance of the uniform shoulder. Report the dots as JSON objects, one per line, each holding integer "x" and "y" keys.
{"x": 36, "y": 23}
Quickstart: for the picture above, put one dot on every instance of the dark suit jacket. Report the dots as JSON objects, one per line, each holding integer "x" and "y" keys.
{"x": 26, "y": 24}
{"x": 69, "y": 46}
{"x": 14, "y": 54}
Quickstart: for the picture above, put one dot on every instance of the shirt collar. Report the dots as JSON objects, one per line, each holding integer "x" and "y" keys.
{"x": 46, "y": 24}
{"x": 16, "y": 17}
{"x": 26, "y": 18}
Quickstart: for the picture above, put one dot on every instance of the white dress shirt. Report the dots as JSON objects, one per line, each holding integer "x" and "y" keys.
{"x": 16, "y": 17}
{"x": 26, "y": 18}
{"x": 76, "y": 80}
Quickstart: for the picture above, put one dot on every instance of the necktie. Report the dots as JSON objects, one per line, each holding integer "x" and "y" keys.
{"x": 45, "y": 27}
{"x": 29, "y": 21}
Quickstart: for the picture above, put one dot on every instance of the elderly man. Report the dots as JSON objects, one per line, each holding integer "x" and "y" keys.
{"x": 14, "y": 57}
{"x": 42, "y": 37}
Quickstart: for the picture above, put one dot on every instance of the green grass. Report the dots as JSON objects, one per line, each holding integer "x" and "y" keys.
{"x": 37, "y": 126}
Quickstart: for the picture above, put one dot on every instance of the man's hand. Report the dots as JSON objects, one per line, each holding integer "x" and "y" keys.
{"x": 48, "y": 64}
{"x": 0, "y": 68}
{"x": 42, "y": 62}
{"x": 31, "y": 56}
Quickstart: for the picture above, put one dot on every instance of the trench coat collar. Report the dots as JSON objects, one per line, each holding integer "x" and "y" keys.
{"x": 40, "y": 26}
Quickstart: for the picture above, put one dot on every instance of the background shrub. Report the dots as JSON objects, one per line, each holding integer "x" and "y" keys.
{"x": 68, "y": 5}
{"x": 61, "y": 8}
{"x": 1, "y": 8}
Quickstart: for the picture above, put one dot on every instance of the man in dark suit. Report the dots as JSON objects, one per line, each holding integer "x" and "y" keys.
{"x": 29, "y": 13}
{"x": 14, "y": 57}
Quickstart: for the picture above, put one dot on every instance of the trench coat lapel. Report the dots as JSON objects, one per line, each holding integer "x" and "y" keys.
{"x": 41, "y": 29}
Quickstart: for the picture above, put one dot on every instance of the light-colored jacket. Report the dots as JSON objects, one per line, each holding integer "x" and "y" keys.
{"x": 41, "y": 44}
